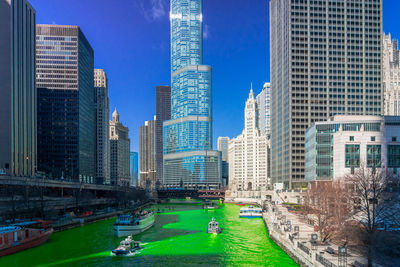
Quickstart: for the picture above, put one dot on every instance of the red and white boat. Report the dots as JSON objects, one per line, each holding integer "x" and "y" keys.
{"x": 17, "y": 237}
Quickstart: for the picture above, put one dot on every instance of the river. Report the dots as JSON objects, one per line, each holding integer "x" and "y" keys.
{"x": 178, "y": 238}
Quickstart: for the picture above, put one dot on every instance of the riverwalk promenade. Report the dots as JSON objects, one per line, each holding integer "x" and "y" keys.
{"x": 292, "y": 233}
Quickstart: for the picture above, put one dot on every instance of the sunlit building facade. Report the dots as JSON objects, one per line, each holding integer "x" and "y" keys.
{"x": 264, "y": 109}
{"x": 343, "y": 144}
{"x": 188, "y": 156}
{"x": 326, "y": 59}
{"x": 391, "y": 76}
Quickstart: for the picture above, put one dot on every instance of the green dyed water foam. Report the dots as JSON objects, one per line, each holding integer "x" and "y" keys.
{"x": 178, "y": 238}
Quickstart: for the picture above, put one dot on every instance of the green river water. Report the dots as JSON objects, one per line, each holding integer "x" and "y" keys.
{"x": 178, "y": 238}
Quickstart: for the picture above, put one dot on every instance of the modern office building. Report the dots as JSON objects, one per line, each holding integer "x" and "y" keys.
{"x": 120, "y": 145}
{"x": 134, "y": 165}
{"x": 66, "y": 103}
{"x": 163, "y": 113}
{"x": 102, "y": 104}
{"x": 325, "y": 60}
{"x": 18, "y": 148}
{"x": 391, "y": 76}
{"x": 343, "y": 144}
{"x": 147, "y": 154}
{"x": 189, "y": 160}
{"x": 223, "y": 145}
{"x": 248, "y": 154}
{"x": 264, "y": 109}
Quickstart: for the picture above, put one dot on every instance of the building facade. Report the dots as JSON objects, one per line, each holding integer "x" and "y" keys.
{"x": 134, "y": 165}
{"x": 248, "y": 154}
{"x": 120, "y": 145}
{"x": 102, "y": 103}
{"x": 147, "y": 154}
{"x": 343, "y": 144}
{"x": 188, "y": 156}
{"x": 18, "y": 147}
{"x": 223, "y": 147}
{"x": 325, "y": 60}
{"x": 264, "y": 109}
{"x": 163, "y": 113}
{"x": 66, "y": 103}
{"x": 391, "y": 76}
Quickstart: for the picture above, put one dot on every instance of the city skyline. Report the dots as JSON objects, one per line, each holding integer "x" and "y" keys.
{"x": 133, "y": 56}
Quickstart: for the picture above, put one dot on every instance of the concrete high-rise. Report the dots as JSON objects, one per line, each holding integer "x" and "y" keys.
{"x": 119, "y": 152}
{"x": 134, "y": 165}
{"x": 325, "y": 60}
{"x": 66, "y": 103}
{"x": 391, "y": 76}
{"x": 147, "y": 155}
{"x": 248, "y": 153}
{"x": 188, "y": 156}
{"x": 264, "y": 109}
{"x": 18, "y": 148}
{"x": 163, "y": 113}
{"x": 102, "y": 103}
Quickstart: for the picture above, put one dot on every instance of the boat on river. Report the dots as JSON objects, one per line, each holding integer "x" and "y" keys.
{"x": 25, "y": 235}
{"x": 250, "y": 212}
{"x": 128, "y": 224}
{"x": 126, "y": 246}
{"x": 213, "y": 227}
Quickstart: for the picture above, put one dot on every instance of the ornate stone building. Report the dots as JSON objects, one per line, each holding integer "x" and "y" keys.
{"x": 248, "y": 154}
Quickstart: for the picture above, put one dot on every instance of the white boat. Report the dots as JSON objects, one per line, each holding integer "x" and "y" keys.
{"x": 250, "y": 212}
{"x": 126, "y": 246}
{"x": 213, "y": 227}
{"x": 133, "y": 224}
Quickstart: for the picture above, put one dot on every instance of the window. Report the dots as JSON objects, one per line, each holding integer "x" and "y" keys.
{"x": 394, "y": 139}
{"x": 373, "y": 138}
{"x": 351, "y": 138}
{"x": 352, "y": 156}
{"x": 373, "y": 156}
{"x": 393, "y": 156}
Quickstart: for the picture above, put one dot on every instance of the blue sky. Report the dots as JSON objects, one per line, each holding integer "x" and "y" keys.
{"x": 131, "y": 42}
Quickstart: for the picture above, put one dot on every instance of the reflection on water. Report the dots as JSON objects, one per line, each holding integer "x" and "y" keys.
{"x": 178, "y": 238}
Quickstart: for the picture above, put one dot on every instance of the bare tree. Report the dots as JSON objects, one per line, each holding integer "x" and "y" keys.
{"x": 376, "y": 204}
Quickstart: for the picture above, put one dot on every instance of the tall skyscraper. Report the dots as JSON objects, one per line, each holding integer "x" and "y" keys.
{"x": 134, "y": 165}
{"x": 188, "y": 156}
{"x": 147, "y": 154}
{"x": 325, "y": 60}
{"x": 66, "y": 103}
{"x": 248, "y": 153}
{"x": 119, "y": 152}
{"x": 264, "y": 109}
{"x": 391, "y": 76}
{"x": 102, "y": 127}
{"x": 18, "y": 153}
{"x": 163, "y": 113}
{"x": 222, "y": 145}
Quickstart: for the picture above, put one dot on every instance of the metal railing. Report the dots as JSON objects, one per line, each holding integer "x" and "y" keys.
{"x": 303, "y": 248}
{"x": 324, "y": 261}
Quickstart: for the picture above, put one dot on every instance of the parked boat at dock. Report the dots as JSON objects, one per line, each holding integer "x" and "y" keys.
{"x": 133, "y": 224}
{"x": 21, "y": 236}
{"x": 250, "y": 212}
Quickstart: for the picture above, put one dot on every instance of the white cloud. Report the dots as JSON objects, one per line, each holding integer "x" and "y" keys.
{"x": 154, "y": 9}
{"x": 206, "y": 31}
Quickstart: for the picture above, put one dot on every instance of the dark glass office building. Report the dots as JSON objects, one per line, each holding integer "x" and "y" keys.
{"x": 66, "y": 109}
{"x": 163, "y": 113}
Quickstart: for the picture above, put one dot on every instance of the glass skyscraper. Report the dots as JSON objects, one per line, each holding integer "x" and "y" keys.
{"x": 188, "y": 156}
